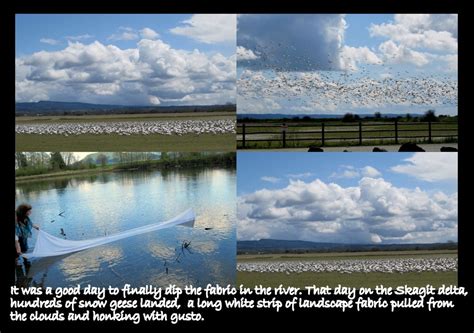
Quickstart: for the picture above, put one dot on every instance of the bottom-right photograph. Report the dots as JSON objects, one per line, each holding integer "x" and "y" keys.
{"x": 354, "y": 219}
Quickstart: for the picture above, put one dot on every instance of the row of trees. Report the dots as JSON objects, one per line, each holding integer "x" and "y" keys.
{"x": 429, "y": 115}
{"x": 34, "y": 163}
{"x": 43, "y": 160}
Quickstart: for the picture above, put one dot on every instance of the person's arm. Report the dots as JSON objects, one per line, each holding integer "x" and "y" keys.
{"x": 17, "y": 246}
{"x": 33, "y": 225}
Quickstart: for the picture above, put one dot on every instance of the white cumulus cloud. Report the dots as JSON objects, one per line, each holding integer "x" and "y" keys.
{"x": 244, "y": 54}
{"x": 270, "y": 179}
{"x": 125, "y": 33}
{"x": 373, "y": 211}
{"x": 351, "y": 56}
{"x": 348, "y": 171}
{"x": 99, "y": 73}
{"x": 300, "y": 175}
{"x": 49, "y": 41}
{"x": 209, "y": 28}
{"x": 430, "y": 167}
{"x": 149, "y": 33}
{"x": 411, "y": 37}
{"x": 400, "y": 54}
{"x": 154, "y": 100}
{"x": 79, "y": 37}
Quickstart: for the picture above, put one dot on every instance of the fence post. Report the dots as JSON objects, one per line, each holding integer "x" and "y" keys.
{"x": 396, "y": 131}
{"x": 243, "y": 135}
{"x": 284, "y": 135}
{"x": 429, "y": 132}
{"x": 360, "y": 133}
{"x": 322, "y": 134}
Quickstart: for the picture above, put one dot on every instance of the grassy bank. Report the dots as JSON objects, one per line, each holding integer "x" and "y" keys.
{"x": 65, "y": 173}
{"x": 346, "y": 255}
{"x": 357, "y": 280}
{"x": 112, "y": 142}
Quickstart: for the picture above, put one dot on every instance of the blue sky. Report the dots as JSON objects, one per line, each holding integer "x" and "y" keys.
{"x": 139, "y": 59}
{"x": 348, "y": 197}
{"x": 252, "y": 167}
{"x": 360, "y": 63}
{"x": 31, "y": 28}
{"x": 357, "y": 33}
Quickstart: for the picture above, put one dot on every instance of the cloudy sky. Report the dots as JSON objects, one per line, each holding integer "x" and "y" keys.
{"x": 387, "y": 198}
{"x": 335, "y": 63}
{"x": 126, "y": 59}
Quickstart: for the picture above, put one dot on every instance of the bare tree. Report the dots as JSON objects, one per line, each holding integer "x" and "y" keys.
{"x": 68, "y": 158}
{"x": 102, "y": 160}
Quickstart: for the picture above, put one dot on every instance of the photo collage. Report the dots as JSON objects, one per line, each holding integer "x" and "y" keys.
{"x": 236, "y": 149}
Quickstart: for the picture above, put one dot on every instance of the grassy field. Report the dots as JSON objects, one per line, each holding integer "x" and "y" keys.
{"x": 358, "y": 280}
{"x": 127, "y": 117}
{"x": 154, "y": 142}
{"x": 112, "y": 142}
{"x": 338, "y": 133}
{"x": 345, "y": 255}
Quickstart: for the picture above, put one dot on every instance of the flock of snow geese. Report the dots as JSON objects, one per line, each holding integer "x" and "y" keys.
{"x": 377, "y": 84}
{"x": 356, "y": 91}
{"x": 396, "y": 265}
{"x": 172, "y": 127}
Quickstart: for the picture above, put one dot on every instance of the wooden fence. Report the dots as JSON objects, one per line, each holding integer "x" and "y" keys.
{"x": 321, "y": 133}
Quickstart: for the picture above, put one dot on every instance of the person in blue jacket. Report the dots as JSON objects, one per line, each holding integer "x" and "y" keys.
{"x": 17, "y": 243}
{"x": 24, "y": 226}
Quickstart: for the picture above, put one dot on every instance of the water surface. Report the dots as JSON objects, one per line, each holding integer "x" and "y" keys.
{"x": 106, "y": 203}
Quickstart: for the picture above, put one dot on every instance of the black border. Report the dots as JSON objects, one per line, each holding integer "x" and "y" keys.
{"x": 315, "y": 320}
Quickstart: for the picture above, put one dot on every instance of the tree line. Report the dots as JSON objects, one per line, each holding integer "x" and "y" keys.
{"x": 36, "y": 163}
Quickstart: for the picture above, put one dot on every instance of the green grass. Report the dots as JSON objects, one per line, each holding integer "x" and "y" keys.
{"x": 357, "y": 280}
{"x": 63, "y": 174}
{"x": 127, "y": 117}
{"x": 333, "y": 136}
{"x": 111, "y": 142}
{"x": 155, "y": 142}
{"x": 339, "y": 143}
{"x": 346, "y": 255}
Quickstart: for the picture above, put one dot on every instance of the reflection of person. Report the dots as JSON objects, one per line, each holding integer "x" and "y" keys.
{"x": 21, "y": 275}
{"x": 24, "y": 225}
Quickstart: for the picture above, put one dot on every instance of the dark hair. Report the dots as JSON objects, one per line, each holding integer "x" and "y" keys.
{"x": 21, "y": 213}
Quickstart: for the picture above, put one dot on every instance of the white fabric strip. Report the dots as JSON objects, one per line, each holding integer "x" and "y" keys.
{"x": 48, "y": 245}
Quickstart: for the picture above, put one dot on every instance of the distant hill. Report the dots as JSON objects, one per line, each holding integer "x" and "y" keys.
{"x": 317, "y": 116}
{"x": 64, "y": 108}
{"x": 295, "y": 246}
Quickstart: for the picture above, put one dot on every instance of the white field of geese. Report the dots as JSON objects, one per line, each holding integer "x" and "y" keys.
{"x": 164, "y": 127}
{"x": 349, "y": 266}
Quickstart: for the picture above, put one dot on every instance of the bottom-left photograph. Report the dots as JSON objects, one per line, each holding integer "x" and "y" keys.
{"x": 115, "y": 218}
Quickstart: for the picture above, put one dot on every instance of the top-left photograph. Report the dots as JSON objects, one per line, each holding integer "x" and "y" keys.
{"x": 128, "y": 82}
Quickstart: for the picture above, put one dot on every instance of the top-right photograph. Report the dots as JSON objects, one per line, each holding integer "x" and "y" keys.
{"x": 347, "y": 82}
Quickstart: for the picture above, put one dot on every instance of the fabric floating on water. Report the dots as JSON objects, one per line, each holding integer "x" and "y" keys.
{"x": 48, "y": 245}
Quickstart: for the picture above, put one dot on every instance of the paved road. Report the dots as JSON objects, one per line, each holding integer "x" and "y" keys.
{"x": 435, "y": 147}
